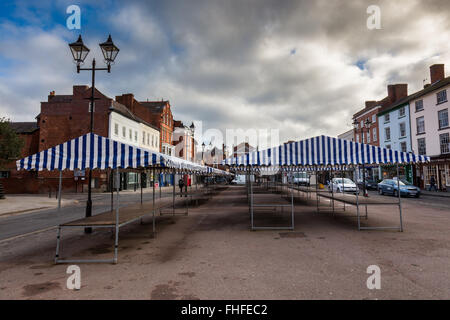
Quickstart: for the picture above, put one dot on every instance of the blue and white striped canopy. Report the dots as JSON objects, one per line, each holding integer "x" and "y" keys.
{"x": 324, "y": 151}
{"x": 96, "y": 152}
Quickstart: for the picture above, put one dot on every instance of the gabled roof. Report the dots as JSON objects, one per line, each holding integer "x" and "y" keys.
{"x": 435, "y": 86}
{"x": 124, "y": 111}
{"x": 24, "y": 127}
{"x": 366, "y": 109}
{"x": 155, "y": 106}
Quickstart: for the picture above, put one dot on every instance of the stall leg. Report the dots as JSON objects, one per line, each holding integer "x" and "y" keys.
{"x": 399, "y": 200}
{"x": 58, "y": 239}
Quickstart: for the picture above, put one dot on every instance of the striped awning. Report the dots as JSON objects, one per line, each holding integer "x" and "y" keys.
{"x": 96, "y": 152}
{"x": 324, "y": 151}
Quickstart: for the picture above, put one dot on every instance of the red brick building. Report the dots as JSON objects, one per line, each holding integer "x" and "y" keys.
{"x": 371, "y": 136}
{"x": 161, "y": 116}
{"x": 12, "y": 179}
{"x": 65, "y": 117}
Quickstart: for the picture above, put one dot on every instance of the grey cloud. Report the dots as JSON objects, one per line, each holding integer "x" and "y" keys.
{"x": 229, "y": 63}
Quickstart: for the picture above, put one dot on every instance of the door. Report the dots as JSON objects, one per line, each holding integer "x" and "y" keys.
{"x": 442, "y": 181}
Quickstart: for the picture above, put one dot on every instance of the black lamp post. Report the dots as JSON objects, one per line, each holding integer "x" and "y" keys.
{"x": 80, "y": 52}
{"x": 365, "y": 127}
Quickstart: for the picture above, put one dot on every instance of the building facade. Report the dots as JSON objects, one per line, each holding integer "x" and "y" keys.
{"x": 160, "y": 115}
{"x": 348, "y": 135}
{"x": 430, "y": 130}
{"x": 369, "y": 117}
{"x": 65, "y": 117}
{"x": 183, "y": 140}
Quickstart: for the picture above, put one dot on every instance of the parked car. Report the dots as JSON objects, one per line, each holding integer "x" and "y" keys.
{"x": 301, "y": 179}
{"x": 240, "y": 179}
{"x": 343, "y": 185}
{"x": 370, "y": 184}
{"x": 390, "y": 187}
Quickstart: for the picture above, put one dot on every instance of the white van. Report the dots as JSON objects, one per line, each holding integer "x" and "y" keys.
{"x": 240, "y": 179}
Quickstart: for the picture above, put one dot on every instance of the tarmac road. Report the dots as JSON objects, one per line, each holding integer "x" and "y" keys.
{"x": 212, "y": 254}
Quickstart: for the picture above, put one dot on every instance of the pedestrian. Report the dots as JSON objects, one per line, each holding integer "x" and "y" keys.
{"x": 181, "y": 185}
{"x": 432, "y": 184}
{"x": 186, "y": 186}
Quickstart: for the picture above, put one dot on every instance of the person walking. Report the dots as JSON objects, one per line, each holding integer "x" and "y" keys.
{"x": 181, "y": 185}
{"x": 432, "y": 184}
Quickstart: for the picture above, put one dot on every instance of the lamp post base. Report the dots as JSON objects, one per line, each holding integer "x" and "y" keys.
{"x": 88, "y": 214}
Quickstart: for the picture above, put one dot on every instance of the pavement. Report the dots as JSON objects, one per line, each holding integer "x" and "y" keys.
{"x": 20, "y": 204}
{"x": 212, "y": 254}
{"x": 435, "y": 193}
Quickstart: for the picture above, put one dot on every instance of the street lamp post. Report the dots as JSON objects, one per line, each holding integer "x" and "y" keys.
{"x": 79, "y": 53}
{"x": 366, "y": 126}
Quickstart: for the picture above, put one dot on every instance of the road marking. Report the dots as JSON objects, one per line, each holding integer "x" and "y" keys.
{"x": 27, "y": 234}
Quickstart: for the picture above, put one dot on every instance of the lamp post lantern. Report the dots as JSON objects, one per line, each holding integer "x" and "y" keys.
{"x": 79, "y": 52}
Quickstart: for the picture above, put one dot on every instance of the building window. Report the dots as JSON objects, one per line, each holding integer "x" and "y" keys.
{"x": 116, "y": 129}
{"x": 375, "y": 134}
{"x": 361, "y": 125}
{"x": 402, "y": 130}
{"x": 445, "y": 143}
{"x": 421, "y": 146}
{"x": 386, "y": 117}
{"x": 403, "y": 146}
{"x": 420, "y": 122}
{"x": 374, "y": 118}
{"x": 419, "y": 105}
{"x": 387, "y": 134}
{"x": 130, "y": 134}
{"x": 143, "y": 137}
{"x": 443, "y": 118}
{"x": 388, "y": 146}
{"x": 441, "y": 96}
{"x": 368, "y": 137}
{"x": 135, "y": 136}
{"x": 153, "y": 140}
{"x": 401, "y": 112}
{"x": 124, "y": 132}
{"x": 4, "y": 174}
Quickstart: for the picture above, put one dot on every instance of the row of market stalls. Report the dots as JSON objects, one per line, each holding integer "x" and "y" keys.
{"x": 91, "y": 151}
{"x": 316, "y": 155}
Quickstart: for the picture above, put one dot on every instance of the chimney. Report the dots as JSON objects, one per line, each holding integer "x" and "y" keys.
{"x": 370, "y": 104}
{"x": 80, "y": 90}
{"x": 397, "y": 91}
{"x": 127, "y": 100}
{"x": 437, "y": 72}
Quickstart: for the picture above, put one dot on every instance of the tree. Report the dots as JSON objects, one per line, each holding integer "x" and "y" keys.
{"x": 11, "y": 146}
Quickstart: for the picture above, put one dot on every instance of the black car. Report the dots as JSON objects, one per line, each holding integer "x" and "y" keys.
{"x": 370, "y": 184}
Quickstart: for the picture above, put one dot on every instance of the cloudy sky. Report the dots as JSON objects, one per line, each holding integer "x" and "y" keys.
{"x": 303, "y": 67}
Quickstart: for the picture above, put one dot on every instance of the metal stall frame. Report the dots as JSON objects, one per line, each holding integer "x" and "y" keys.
{"x": 252, "y": 205}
